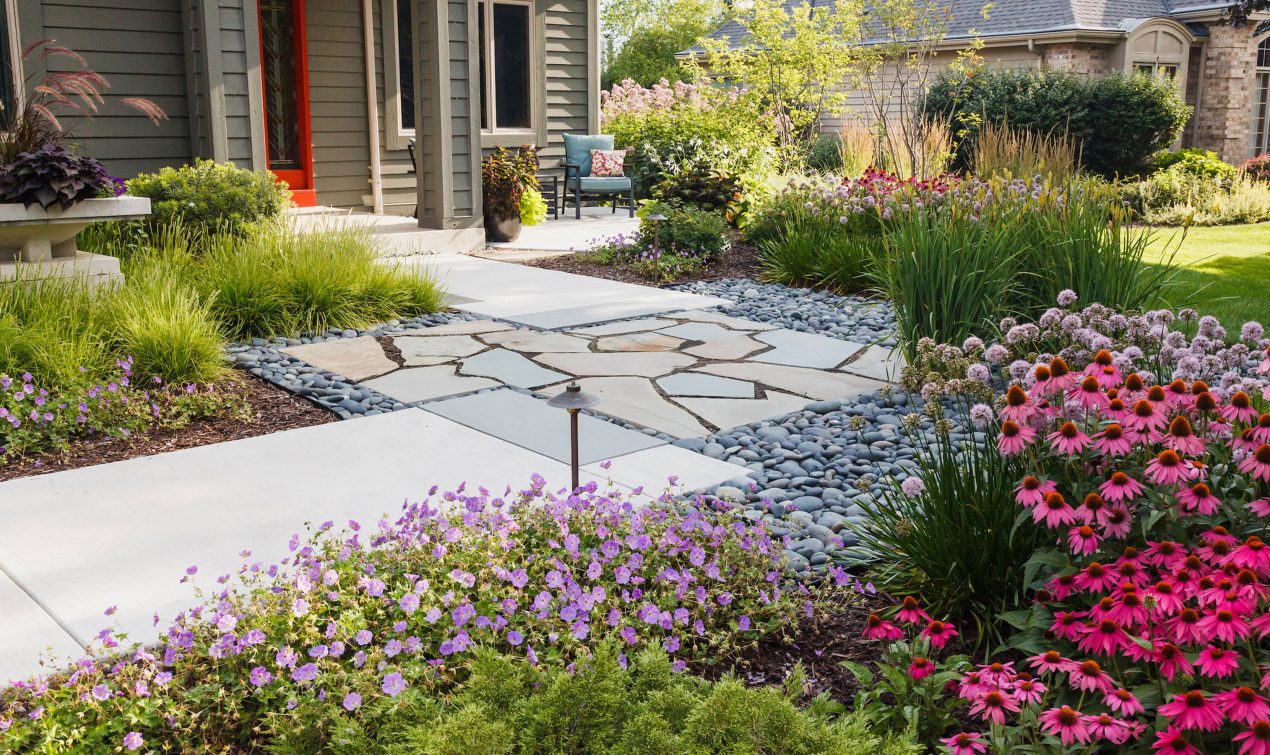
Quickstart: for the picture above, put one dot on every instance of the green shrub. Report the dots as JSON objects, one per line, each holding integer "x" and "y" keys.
{"x": 825, "y": 154}
{"x": 701, "y": 233}
{"x": 1201, "y": 163}
{"x": 1176, "y": 196}
{"x": 955, "y": 538}
{"x": 1116, "y": 122}
{"x": 667, "y": 250}
{"x": 610, "y": 707}
{"x": 208, "y": 196}
{"x": 695, "y": 182}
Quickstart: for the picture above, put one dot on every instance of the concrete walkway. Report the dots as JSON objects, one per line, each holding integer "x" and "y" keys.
{"x": 571, "y": 234}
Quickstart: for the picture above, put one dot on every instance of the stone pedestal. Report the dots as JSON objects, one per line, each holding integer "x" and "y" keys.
{"x": 37, "y": 243}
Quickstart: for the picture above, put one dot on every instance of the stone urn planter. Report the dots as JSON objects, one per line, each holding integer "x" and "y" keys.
{"x": 502, "y": 229}
{"x": 43, "y": 241}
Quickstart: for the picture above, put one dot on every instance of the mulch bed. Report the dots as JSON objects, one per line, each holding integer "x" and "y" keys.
{"x": 821, "y": 643}
{"x": 272, "y": 409}
{"x": 740, "y": 261}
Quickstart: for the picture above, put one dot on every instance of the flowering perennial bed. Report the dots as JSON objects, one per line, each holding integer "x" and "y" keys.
{"x": 358, "y": 625}
{"x": 1151, "y": 612}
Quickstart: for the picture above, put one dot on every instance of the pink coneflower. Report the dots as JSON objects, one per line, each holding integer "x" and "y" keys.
{"x": 1054, "y": 510}
{"x": 1061, "y": 377}
{"x": 965, "y": 743}
{"x": 1029, "y": 691}
{"x": 997, "y": 674}
{"x": 1067, "y": 625}
{"x": 1198, "y": 499}
{"x": 1103, "y": 367}
{"x": 1062, "y": 585}
{"x": 1134, "y": 386}
{"x": 1104, "y": 726}
{"x": 1246, "y": 441}
{"x": 1256, "y": 740}
{"x": 1095, "y": 578}
{"x": 1193, "y": 710}
{"x": 993, "y": 705}
{"x": 1068, "y": 439}
{"x": 1252, "y": 554}
{"x": 1166, "y": 469}
{"x": 1081, "y": 540}
{"x": 1032, "y": 491}
{"x": 1261, "y": 433}
{"x": 1224, "y": 625}
{"x": 1116, "y": 410}
{"x": 1088, "y": 394}
{"x": 910, "y": 612}
{"x": 1171, "y": 742}
{"x": 1123, "y": 703}
{"x": 1120, "y": 487}
{"x": 1042, "y": 384}
{"x": 1184, "y": 627}
{"x": 1146, "y": 416}
{"x": 1104, "y": 637}
{"x": 1172, "y": 661}
{"x": 1240, "y": 408}
{"x": 1088, "y": 676}
{"x": 1206, "y": 403}
{"x": 1178, "y": 394}
{"x": 1068, "y": 724}
{"x": 1111, "y": 441}
{"x": 1242, "y": 705}
{"x": 1018, "y": 406}
{"x": 1165, "y": 553}
{"x": 1260, "y": 507}
{"x": 1167, "y": 601}
{"x": 939, "y": 633}
{"x": 877, "y": 628}
{"x": 1014, "y": 438}
{"x": 1216, "y": 662}
{"x": 1129, "y": 611}
{"x": 1048, "y": 662}
{"x": 1181, "y": 438}
{"x": 920, "y": 668}
{"x": 1257, "y": 463}
{"x": 1093, "y": 509}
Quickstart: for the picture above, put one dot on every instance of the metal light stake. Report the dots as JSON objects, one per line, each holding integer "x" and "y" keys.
{"x": 656, "y": 219}
{"x": 573, "y": 400}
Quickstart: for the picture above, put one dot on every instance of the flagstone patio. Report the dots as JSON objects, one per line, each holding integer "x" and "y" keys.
{"x": 683, "y": 374}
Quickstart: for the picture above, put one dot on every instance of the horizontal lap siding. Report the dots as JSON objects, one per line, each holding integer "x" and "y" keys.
{"x": 460, "y": 114}
{"x": 565, "y": 70}
{"x": 139, "y": 46}
{"x": 234, "y": 43}
{"x": 337, "y": 102}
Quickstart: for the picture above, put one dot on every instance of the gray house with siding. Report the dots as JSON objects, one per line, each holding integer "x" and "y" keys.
{"x": 331, "y": 94}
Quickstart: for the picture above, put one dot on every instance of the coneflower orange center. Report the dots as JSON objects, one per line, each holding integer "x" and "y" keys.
{"x": 1156, "y": 394}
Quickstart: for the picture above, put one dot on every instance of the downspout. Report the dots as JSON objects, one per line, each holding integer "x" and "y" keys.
{"x": 1040, "y": 54}
{"x": 372, "y": 110}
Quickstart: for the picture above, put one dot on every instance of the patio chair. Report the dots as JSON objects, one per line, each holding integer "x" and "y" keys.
{"x": 579, "y": 182}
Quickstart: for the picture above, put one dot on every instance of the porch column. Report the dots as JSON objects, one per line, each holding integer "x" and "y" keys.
{"x": 447, "y": 114}
{"x": 1224, "y": 115}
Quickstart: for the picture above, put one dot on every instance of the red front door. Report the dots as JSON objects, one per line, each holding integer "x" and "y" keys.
{"x": 285, "y": 76}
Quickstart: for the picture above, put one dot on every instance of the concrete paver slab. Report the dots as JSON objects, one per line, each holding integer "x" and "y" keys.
{"x": 354, "y": 358}
{"x": 879, "y": 363}
{"x": 736, "y": 347}
{"x": 651, "y": 468}
{"x": 805, "y": 349}
{"x": 634, "y": 400}
{"x": 725, "y": 413}
{"x": 510, "y": 368}
{"x": 413, "y": 384}
{"x": 536, "y": 341}
{"x": 699, "y": 331}
{"x": 624, "y": 326}
{"x": 417, "y": 350}
{"x": 709, "y": 386}
{"x": 735, "y": 323}
{"x": 529, "y": 423}
{"x": 467, "y": 328}
{"x": 27, "y": 632}
{"x": 638, "y": 342}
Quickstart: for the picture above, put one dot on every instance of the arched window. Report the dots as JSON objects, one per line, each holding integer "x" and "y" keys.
{"x": 1159, "y": 48}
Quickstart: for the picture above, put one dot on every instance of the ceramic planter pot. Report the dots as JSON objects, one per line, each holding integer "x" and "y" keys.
{"x": 501, "y": 229}
{"x": 34, "y": 234}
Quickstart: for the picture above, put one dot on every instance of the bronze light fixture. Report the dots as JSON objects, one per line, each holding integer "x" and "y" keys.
{"x": 656, "y": 218}
{"x": 573, "y": 400}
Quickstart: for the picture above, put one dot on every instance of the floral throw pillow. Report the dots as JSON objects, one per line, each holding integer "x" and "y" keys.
{"x": 606, "y": 163}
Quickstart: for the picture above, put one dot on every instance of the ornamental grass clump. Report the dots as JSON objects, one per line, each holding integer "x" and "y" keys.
{"x": 359, "y": 626}
{"x": 1150, "y": 611}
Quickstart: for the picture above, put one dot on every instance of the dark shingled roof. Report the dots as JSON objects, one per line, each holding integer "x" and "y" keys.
{"x": 1008, "y": 17}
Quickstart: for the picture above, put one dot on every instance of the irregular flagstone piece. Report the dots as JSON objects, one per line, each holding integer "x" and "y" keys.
{"x": 529, "y": 423}
{"x": 736, "y": 347}
{"x": 467, "y": 328}
{"x": 425, "y": 383}
{"x": 728, "y": 321}
{"x": 626, "y": 326}
{"x": 634, "y": 400}
{"x": 652, "y": 467}
{"x": 805, "y": 349}
{"x": 709, "y": 386}
{"x": 698, "y": 331}
{"x": 510, "y": 368}
{"x": 419, "y": 351}
{"x": 815, "y": 384}
{"x": 638, "y": 342}
{"x": 726, "y": 413}
{"x": 879, "y": 363}
{"x": 537, "y": 341}
{"x": 642, "y": 364}
{"x": 354, "y": 358}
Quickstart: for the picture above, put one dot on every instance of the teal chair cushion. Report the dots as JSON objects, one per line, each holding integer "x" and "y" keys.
{"x": 612, "y": 184}
{"x": 577, "y": 149}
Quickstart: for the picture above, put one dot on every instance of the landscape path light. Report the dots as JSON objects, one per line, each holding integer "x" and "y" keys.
{"x": 573, "y": 400}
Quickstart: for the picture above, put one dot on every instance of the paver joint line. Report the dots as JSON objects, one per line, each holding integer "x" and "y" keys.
{"x": 83, "y": 642}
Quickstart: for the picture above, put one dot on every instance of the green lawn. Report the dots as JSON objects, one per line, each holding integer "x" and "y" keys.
{"x": 1224, "y": 271}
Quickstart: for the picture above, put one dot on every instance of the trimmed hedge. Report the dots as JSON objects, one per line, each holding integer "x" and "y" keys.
{"x": 1118, "y": 122}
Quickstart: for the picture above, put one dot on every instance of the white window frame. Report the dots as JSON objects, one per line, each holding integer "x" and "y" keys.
{"x": 1260, "y": 130}
{"x": 396, "y": 137}
{"x": 494, "y": 134}
{"x": 17, "y": 80}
